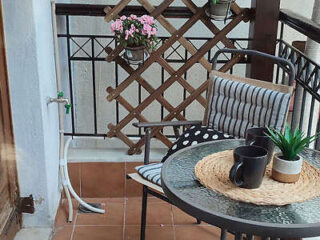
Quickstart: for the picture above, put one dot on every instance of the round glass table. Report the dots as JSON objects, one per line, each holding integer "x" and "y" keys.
{"x": 183, "y": 189}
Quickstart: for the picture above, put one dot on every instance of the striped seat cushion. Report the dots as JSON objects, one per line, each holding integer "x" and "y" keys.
{"x": 151, "y": 172}
{"x": 236, "y": 106}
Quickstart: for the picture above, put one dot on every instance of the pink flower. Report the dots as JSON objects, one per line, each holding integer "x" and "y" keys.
{"x": 153, "y": 31}
{"x": 145, "y": 19}
{"x": 123, "y": 18}
{"x": 117, "y": 26}
{"x": 133, "y": 28}
{"x": 133, "y": 17}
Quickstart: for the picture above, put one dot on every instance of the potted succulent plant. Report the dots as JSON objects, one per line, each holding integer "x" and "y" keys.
{"x": 137, "y": 35}
{"x": 219, "y": 9}
{"x": 287, "y": 164}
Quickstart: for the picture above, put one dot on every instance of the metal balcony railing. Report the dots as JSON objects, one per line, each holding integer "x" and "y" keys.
{"x": 90, "y": 48}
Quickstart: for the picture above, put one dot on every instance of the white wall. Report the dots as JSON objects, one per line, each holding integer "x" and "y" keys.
{"x": 30, "y": 57}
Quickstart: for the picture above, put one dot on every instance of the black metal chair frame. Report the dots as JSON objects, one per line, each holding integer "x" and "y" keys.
{"x": 286, "y": 65}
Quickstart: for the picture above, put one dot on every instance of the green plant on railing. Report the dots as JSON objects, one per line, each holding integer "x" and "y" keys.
{"x": 290, "y": 144}
{"x": 215, "y": 1}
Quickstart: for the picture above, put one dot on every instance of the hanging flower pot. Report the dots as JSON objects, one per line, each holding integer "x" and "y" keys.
{"x": 136, "y": 55}
{"x": 219, "y": 9}
{"x": 137, "y": 35}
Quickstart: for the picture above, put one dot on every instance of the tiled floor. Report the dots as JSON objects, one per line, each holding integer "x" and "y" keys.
{"x": 122, "y": 221}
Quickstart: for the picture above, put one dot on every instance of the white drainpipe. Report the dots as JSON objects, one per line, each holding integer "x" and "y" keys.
{"x": 64, "y": 148}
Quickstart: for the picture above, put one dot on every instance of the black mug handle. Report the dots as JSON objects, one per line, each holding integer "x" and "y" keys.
{"x": 233, "y": 173}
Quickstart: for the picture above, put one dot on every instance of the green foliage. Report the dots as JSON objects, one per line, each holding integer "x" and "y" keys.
{"x": 215, "y": 1}
{"x": 290, "y": 144}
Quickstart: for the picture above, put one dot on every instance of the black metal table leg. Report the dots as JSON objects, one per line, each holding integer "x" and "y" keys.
{"x": 223, "y": 234}
{"x": 144, "y": 213}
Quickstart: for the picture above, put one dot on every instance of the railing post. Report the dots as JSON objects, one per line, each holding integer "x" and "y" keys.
{"x": 263, "y": 31}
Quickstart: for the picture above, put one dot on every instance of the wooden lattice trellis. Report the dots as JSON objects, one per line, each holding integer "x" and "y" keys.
{"x": 175, "y": 76}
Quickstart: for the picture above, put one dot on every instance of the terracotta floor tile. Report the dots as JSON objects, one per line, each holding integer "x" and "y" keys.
{"x": 182, "y": 218}
{"x": 63, "y": 213}
{"x": 114, "y": 213}
{"x": 158, "y": 212}
{"x": 62, "y": 233}
{"x": 98, "y": 233}
{"x": 102, "y": 179}
{"x": 152, "y": 233}
{"x": 133, "y": 189}
{"x": 75, "y": 175}
{"x": 198, "y": 232}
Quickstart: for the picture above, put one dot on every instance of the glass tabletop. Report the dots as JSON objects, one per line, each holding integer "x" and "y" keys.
{"x": 179, "y": 180}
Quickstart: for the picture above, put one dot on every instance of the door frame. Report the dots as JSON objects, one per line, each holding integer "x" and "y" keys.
{"x": 13, "y": 222}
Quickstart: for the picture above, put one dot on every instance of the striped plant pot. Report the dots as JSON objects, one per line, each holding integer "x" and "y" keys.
{"x": 286, "y": 171}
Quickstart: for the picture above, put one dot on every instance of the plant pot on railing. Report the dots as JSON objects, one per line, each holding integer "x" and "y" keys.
{"x": 137, "y": 35}
{"x": 136, "y": 55}
{"x": 219, "y": 9}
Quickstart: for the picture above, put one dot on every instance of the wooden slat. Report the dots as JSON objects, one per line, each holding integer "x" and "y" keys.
{"x": 154, "y": 14}
{"x": 182, "y": 81}
{"x": 156, "y": 54}
{"x": 139, "y": 117}
{"x": 171, "y": 115}
{"x": 146, "y": 85}
{"x": 171, "y": 29}
{"x": 207, "y": 21}
{"x": 205, "y": 48}
{"x": 113, "y": 13}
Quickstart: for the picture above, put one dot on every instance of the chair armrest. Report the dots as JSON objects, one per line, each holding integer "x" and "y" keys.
{"x": 165, "y": 124}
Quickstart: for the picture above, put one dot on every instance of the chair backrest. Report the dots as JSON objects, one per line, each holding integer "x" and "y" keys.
{"x": 235, "y": 104}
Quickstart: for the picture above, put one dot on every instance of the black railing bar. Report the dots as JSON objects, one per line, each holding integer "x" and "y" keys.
{"x": 302, "y": 106}
{"x": 98, "y": 10}
{"x": 302, "y": 24}
{"x": 64, "y": 35}
{"x": 94, "y": 88}
{"x": 174, "y": 49}
{"x": 162, "y": 81}
{"x": 309, "y": 89}
{"x": 301, "y": 53}
{"x": 117, "y": 83}
{"x": 168, "y": 60}
{"x": 311, "y": 117}
{"x": 278, "y": 67}
{"x": 318, "y": 139}
{"x": 80, "y": 47}
{"x": 70, "y": 75}
{"x": 185, "y": 78}
{"x": 105, "y": 135}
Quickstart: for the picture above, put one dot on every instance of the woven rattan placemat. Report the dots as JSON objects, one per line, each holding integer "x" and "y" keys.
{"x": 213, "y": 172}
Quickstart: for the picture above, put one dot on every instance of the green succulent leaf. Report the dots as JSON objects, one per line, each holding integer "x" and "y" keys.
{"x": 290, "y": 144}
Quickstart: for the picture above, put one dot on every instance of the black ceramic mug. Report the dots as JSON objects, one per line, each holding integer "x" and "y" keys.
{"x": 249, "y": 166}
{"x": 257, "y": 137}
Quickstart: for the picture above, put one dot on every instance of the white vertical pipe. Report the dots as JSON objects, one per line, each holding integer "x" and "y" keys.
{"x": 64, "y": 148}
{"x": 61, "y": 127}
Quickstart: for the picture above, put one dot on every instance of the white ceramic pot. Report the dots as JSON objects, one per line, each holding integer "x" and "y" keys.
{"x": 286, "y": 171}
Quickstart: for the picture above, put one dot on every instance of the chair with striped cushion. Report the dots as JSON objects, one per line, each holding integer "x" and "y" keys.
{"x": 234, "y": 104}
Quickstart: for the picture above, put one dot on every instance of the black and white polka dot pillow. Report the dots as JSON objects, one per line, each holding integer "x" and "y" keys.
{"x": 194, "y": 135}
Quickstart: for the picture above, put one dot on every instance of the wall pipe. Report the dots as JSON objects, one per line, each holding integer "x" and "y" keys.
{"x": 63, "y": 152}
{"x": 60, "y": 108}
